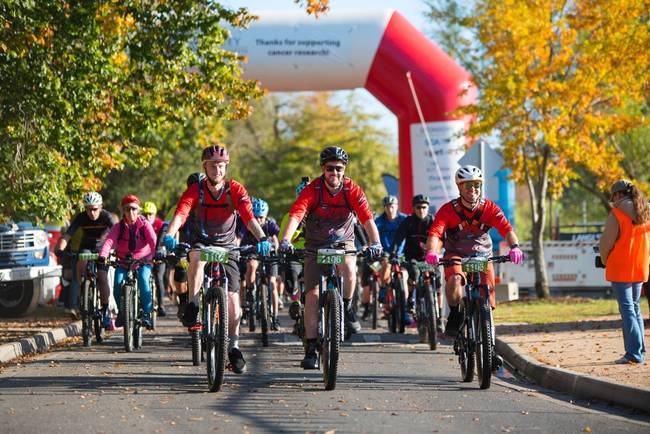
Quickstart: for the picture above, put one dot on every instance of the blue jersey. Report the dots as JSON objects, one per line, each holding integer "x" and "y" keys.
{"x": 387, "y": 229}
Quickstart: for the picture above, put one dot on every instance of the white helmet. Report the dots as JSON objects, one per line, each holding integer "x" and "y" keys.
{"x": 468, "y": 173}
{"x": 92, "y": 199}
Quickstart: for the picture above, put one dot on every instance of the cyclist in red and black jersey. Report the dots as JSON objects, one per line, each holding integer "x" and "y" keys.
{"x": 215, "y": 202}
{"x": 461, "y": 226}
{"x": 328, "y": 204}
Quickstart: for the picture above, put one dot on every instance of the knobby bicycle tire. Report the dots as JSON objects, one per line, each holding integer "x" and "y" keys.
{"x": 154, "y": 301}
{"x": 374, "y": 304}
{"x": 400, "y": 306}
{"x": 195, "y": 336}
{"x": 466, "y": 353}
{"x": 86, "y": 313}
{"x": 264, "y": 313}
{"x": 430, "y": 315}
{"x": 484, "y": 347}
{"x": 217, "y": 340}
{"x": 391, "y": 313}
{"x": 331, "y": 339}
{"x": 127, "y": 312}
{"x": 97, "y": 314}
{"x": 251, "y": 309}
{"x": 137, "y": 317}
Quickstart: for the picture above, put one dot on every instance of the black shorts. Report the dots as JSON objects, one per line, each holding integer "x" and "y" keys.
{"x": 366, "y": 272}
{"x": 291, "y": 273}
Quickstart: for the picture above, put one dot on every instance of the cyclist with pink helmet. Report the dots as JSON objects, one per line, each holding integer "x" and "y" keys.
{"x": 215, "y": 202}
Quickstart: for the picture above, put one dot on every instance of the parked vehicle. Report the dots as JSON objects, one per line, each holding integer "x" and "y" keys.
{"x": 28, "y": 275}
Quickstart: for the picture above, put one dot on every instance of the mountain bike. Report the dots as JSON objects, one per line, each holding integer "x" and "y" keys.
{"x": 474, "y": 343}
{"x": 91, "y": 312}
{"x": 395, "y": 299}
{"x": 426, "y": 309}
{"x": 331, "y": 329}
{"x": 259, "y": 296}
{"x": 130, "y": 303}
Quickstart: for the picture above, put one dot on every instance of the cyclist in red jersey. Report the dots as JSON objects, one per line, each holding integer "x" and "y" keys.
{"x": 461, "y": 226}
{"x": 327, "y": 204}
{"x": 215, "y": 202}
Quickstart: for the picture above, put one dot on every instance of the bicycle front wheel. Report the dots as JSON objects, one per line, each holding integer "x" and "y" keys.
{"x": 137, "y": 318}
{"x": 97, "y": 315}
{"x": 86, "y": 313}
{"x": 400, "y": 306}
{"x": 217, "y": 337}
{"x": 129, "y": 318}
{"x": 484, "y": 349}
{"x": 331, "y": 341}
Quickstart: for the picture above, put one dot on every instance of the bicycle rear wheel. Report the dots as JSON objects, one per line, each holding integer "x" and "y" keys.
{"x": 331, "y": 340}
{"x": 86, "y": 313}
{"x": 217, "y": 338}
{"x": 265, "y": 319}
{"x": 465, "y": 350}
{"x": 484, "y": 349}
{"x": 400, "y": 306}
{"x": 430, "y": 315}
{"x": 251, "y": 309}
{"x": 127, "y": 311}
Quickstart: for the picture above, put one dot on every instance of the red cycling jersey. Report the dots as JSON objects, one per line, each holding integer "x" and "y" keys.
{"x": 330, "y": 216}
{"x": 468, "y": 236}
{"x": 333, "y": 205}
{"x": 216, "y": 208}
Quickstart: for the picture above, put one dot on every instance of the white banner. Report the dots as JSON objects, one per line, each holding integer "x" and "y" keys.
{"x": 448, "y": 145}
{"x": 293, "y": 51}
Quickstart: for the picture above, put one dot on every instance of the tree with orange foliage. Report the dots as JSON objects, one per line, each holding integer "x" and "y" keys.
{"x": 556, "y": 81}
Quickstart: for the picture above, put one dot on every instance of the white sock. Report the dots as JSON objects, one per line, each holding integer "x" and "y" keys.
{"x": 233, "y": 342}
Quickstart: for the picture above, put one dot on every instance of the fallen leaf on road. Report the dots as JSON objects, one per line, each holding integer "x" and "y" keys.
{"x": 367, "y": 408}
{"x": 586, "y": 429}
{"x": 343, "y": 414}
{"x": 195, "y": 418}
{"x": 524, "y": 412}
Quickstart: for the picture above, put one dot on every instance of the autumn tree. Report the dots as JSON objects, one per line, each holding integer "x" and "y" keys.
{"x": 557, "y": 80}
{"x": 283, "y": 138}
{"x": 92, "y": 86}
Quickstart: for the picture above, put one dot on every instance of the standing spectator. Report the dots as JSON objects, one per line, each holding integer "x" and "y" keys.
{"x": 625, "y": 251}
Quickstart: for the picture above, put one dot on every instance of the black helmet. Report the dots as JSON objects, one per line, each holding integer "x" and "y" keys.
{"x": 420, "y": 198}
{"x": 194, "y": 178}
{"x": 389, "y": 200}
{"x": 333, "y": 153}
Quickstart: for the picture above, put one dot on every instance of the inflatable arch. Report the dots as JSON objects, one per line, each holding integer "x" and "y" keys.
{"x": 291, "y": 51}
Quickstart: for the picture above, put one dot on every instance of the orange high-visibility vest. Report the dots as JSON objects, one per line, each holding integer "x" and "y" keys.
{"x": 630, "y": 258}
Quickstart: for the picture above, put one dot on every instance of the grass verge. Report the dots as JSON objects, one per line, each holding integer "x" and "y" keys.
{"x": 559, "y": 309}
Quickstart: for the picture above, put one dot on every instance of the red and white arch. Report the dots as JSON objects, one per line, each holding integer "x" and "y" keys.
{"x": 291, "y": 51}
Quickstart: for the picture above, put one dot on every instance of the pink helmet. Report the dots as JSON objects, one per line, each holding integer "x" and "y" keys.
{"x": 215, "y": 153}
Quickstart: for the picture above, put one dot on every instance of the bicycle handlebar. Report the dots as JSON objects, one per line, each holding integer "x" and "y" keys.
{"x": 458, "y": 261}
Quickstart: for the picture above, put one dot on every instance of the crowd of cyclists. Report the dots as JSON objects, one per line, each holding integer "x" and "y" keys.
{"x": 216, "y": 210}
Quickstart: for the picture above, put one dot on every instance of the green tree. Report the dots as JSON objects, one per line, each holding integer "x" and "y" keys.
{"x": 91, "y": 86}
{"x": 281, "y": 142}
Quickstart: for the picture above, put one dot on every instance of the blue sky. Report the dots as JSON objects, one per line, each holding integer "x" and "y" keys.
{"x": 413, "y": 10}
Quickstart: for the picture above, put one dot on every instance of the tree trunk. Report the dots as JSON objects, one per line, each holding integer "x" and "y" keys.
{"x": 537, "y": 189}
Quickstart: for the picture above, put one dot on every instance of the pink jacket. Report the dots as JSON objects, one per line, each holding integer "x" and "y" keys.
{"x": 145, "y": 244}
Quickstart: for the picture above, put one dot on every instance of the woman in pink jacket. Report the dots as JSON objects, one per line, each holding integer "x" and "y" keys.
{"x": 134, "y": 235}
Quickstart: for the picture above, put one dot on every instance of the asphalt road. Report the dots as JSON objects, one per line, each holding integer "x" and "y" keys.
{"x": 386, "y": 384}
